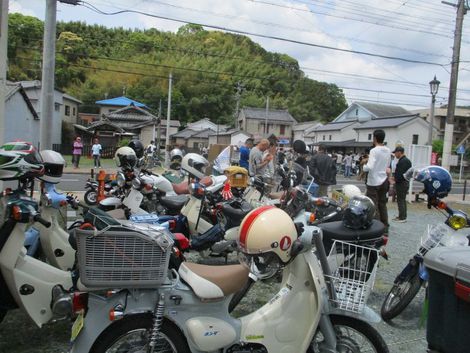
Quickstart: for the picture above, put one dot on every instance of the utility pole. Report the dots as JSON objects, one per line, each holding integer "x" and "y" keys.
{"x": 266, "y": 117}
{"x": 238, "y": 95}
{"x": 159, "y": 132}
{"x": 47, "y": 84}
{"x": 168, "y": 115}
{"x": 449, "y": 129}
{"x": 3, "y": 64}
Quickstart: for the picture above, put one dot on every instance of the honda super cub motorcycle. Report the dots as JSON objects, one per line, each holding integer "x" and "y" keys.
{"x": 188, "y": 312}
{"x": 437, "y": 184}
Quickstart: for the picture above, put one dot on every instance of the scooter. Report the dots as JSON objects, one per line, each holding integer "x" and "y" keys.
{"x": 414, "y": 276}
{"x": 91, "y": 194}
{"x": 188, "y": 312}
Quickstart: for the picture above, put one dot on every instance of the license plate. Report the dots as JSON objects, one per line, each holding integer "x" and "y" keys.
{"x": 77, "y": 327}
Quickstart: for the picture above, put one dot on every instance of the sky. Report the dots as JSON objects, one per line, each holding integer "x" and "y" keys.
{"x": 406, "y": 30}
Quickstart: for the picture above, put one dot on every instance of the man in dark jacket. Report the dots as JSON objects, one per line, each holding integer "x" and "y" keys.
{"x": 323, "y": 169}
{"x": 401, "y": 184}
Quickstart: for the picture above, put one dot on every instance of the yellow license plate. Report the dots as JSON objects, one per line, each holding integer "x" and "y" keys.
{"x": 77, "y": 327}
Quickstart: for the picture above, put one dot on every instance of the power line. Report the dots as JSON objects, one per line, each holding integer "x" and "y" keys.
{"x": 269, "y": 36}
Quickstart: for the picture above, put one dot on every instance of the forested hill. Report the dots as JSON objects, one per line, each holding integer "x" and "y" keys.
{"x": 93, "y": 62}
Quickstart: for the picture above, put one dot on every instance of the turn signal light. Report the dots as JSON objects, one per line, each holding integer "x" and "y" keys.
{"x": 79, "y": 302}
{"x": 16, "y": 213}
{"x": 442, "y": 205}
{"x": 116, "y": 313}
{"x": 312, "y": 217}
{"x": 319, "y": 202}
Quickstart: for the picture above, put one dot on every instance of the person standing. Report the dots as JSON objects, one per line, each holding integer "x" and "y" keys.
{"x": 245, "y": 153}
{"x": 96, "y": 153}
{"x": 377, "y": 167}
{"x": 323, "y": 169}
{"x": 401, "y": 184}
{"x": 77, "y": 151}
{"x": 348, "y": 161}
{"x": 257, "y": 163}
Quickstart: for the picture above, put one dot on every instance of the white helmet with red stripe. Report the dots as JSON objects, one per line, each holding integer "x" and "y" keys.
{"x": 267, "y": 229}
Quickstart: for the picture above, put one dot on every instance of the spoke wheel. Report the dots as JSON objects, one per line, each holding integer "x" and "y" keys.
{"x": 352, "y": 335}
{"x": 90, "y": 197}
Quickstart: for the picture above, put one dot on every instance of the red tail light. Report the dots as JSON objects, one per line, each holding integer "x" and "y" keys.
{"x": 172, "y": 224}
{"x": 385, "y": 240}
{"x": 183, "y": 242}
{"x": 79, "y": 302}
{"x": 442, "y": 205}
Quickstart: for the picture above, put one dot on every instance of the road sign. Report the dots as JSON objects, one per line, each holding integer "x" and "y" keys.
{"x": 460, "y": 150}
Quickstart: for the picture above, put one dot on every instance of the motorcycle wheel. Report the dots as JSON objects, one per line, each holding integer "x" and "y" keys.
{"x": 352, "y": 335}
{"x": 401, "y": 294}
{"x": 91, "y": 197}
{"x": 131, "y": 335}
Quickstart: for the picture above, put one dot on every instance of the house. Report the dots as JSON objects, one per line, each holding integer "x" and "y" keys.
{"x": 196, "y": 134}
{"x": 353, "y": 128}
{"x": 301, "y": 131}
{"x": 147, "y": 134}
{"x": 234, "y": 137}
{"x": 21, "y": 119}
{"x": 461, "y": 122}
{"x": 70, "y": 108}
{"x": 112, "y": 104}
{"x": 203, "y": 124}
{"x": 257, "y": 122}
{"x": 87, "y": 118}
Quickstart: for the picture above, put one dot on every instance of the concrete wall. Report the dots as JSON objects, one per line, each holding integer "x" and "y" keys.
{"x": 73, "y": 111}
{"x": 19, "y": 121}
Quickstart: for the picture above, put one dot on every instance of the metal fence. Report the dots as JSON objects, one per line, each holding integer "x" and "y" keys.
{"x": 106, "y": 152}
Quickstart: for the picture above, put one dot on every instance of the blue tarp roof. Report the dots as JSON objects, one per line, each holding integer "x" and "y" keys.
{"x": 120, "y": 101}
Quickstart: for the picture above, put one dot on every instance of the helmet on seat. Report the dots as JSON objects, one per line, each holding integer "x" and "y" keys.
{"x": 138, "y": 148}
{"x": 53, "y": 166}
{"x": 437, "y": 181}
{"x": 359, "y": 213}
{"x": 125, "y": 157}
{"x": 350, "y": 190}
{"x": 195, "y": 165}
{"x": 267, "y": 230}
{"x": 19, "y": 160}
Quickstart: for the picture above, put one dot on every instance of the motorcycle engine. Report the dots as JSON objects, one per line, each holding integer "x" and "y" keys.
{"x": 248, "y": 348}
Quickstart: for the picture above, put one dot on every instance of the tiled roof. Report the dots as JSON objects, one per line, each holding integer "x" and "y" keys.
{"x": 130, "y": 113}
{"x": 383, "y": 110}
{"x": 71, "y": 98}
{"x": 102, "y": 122}
{"x": 186, "y": 133}
{"x": 203, "y": 134}
{"x": 120, "y": 101}
{"x": 305, "y": 125}
{"x": 333, "y": 126}
{"x": 386, "y": 122}
{"x": 273, "y": 115}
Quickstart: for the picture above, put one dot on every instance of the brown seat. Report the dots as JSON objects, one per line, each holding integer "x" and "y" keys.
{"x": 276, "y": 195}
{"x": 214, "y": 282}
{"x": 181, "y": 188}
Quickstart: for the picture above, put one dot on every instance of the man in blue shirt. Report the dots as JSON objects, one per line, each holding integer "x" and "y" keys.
{"x": 245, "y": 153}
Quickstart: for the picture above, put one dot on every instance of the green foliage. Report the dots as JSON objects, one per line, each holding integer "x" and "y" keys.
{"x": 124, "y": 142}
{"x": 438, "y": 146}
{"x": 94, "y": 62}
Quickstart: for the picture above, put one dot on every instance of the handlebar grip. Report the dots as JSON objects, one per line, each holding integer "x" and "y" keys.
{"x": 38, "y": 218}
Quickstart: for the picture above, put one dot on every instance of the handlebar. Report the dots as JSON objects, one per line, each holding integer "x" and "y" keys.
{"x": 38, "y": 218}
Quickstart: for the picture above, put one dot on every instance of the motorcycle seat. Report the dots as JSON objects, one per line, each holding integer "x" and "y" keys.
{"x": 236, "y": 213}
{"x": 276, "y": 195}
{"x": 174, "y": 202}
{"x": 336, "y": 231}
{"x": 181, "y": 188}
{"x": 213, "y": 282}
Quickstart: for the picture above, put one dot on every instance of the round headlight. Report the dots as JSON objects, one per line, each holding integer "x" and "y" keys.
{"x": 457, "y": 221}
{"x": 136, "y": 183}
{"x": 120, "y": 179}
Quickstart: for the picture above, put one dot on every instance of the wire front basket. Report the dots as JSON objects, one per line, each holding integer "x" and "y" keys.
{"x": 353, "y": 270}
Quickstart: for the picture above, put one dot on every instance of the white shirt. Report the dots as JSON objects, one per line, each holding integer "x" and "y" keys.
{"x": 96, "y": 149}
{"x": 379, "y": 161}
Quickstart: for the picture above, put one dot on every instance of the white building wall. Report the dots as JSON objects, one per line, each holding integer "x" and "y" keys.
{"x": 19, "y": 121}
{"x": 238, "y": 139}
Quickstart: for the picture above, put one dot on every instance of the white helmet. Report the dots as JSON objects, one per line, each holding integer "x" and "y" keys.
{"x": 267, "y": 229}
{"x": 125, "y": 157}
{"x": 351, "y": 190}
{"x": 53, "y": 166}
{"x": 195, "y": 165}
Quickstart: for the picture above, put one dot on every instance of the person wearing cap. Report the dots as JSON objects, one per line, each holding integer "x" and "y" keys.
{"x": 401, "y": 184}
{"x": 77, "y": 151}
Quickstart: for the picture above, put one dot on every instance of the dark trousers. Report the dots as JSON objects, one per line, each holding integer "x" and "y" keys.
{"x": 378, "y": 194}
{"x": 402, "y": 189}
{"x": 96, "y": 161}
{"x": 75, "y": 160}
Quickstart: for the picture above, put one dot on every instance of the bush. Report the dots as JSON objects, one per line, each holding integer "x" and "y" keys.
{"x": 123, "y": 142}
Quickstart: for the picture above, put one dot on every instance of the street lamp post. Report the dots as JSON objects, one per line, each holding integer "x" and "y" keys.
{"x": 434, "y": 87}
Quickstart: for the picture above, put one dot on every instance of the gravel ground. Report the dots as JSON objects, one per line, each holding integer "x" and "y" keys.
{"x": 405, "y": 334}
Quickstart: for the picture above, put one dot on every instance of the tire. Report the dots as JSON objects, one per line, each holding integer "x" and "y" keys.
{"x": 350, "y": 334}
{"x": 91, "y": 197}
{"x": 138, "y": 327}
{"x": 405, "y": 291}
{"x": 2, "y": 314}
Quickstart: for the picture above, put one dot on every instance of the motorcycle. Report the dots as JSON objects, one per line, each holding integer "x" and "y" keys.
{"x": 91, "y": 194}
{"x": 188, "y": 311}
{"x": 414, "y": 276}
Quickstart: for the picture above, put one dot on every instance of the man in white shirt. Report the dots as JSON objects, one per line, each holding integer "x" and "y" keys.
{"x": 378, "y": 168}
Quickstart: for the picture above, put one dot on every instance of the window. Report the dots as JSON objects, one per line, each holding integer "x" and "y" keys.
{"x": 57, "y": 107}
{"x": 282, "y": 130}
{"x": 357, "y": 112}
{"x": 369, "y": 137}
{"x": 330, "y": 138}
{"x": 73, "y": 111}
{"x": 415, "y": 139}
{"x": 67, "y": 110}
{"x": 323, "y": 137}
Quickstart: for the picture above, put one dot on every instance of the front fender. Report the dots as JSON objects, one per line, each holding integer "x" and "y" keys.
{"x": 367, "y": 315}
{"x": 97, "y": 317}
